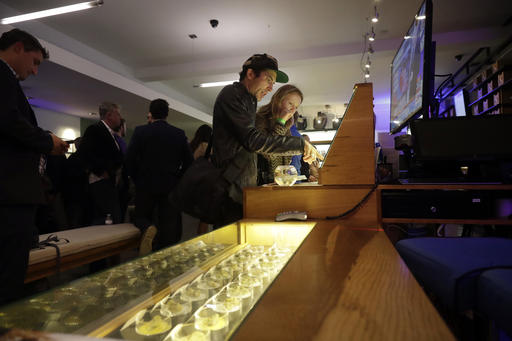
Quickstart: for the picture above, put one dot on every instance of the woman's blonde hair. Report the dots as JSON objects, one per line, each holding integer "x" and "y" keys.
{"x": 277, "y": 98}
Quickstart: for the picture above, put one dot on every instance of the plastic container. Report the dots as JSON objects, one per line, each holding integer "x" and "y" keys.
{"x": 209, "y": 320}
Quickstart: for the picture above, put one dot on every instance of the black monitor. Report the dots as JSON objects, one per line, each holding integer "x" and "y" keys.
{"x": 469, "y": 138}
{"x": 412, "y": 71}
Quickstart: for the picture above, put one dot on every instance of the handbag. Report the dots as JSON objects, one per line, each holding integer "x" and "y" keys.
{"x": 203, "y": 191}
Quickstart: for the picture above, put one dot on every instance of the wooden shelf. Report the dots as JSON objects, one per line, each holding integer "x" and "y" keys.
{"x": 442, "y": 187}
{"x": 505, "y": 187}
{"x": 490, "y": 93}
{"x": 313, "y": 130}
{"x": 493, "y": 108}
{"x": 488, "y": 78}
{"x": 447, "y": 221}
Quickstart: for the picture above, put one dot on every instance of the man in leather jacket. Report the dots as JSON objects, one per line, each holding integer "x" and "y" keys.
{"x": 235, "y": 138}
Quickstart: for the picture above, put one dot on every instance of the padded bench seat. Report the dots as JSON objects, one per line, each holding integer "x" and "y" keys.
{"x": 450, "y": 267}
{"x": 495, "y": 297}
{"x": 86, "y": 244}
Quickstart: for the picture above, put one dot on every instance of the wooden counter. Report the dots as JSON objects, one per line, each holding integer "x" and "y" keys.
{"x": 344, "y": 284}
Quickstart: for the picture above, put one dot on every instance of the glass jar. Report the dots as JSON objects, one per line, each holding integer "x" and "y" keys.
{"x": 285, "y": 175}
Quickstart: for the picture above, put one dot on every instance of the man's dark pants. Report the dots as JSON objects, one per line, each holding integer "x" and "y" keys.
{"x": 17, "y": 230}
{"x": 105, "y": 200}
{"x": 168, "y": 219}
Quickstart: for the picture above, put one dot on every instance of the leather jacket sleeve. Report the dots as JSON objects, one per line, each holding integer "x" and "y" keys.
{"x": 238, "y": 118}
{"x": 19, "y": 128}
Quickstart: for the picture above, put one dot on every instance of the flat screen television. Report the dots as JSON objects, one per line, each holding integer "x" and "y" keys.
{"x": 412, "y": 71}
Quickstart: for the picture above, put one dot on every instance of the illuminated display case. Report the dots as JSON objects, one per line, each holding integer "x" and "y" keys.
{"x": 201, "y": 288}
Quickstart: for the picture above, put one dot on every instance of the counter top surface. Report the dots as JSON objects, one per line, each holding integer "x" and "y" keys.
{"x": 344, "y": 284}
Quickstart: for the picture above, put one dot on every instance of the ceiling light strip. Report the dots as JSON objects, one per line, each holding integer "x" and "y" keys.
{"x": 212, "y": 84}
{"x": 50, "y": 12}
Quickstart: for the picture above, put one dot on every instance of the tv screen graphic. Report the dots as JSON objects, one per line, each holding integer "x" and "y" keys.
{"x": 409, "y": 69}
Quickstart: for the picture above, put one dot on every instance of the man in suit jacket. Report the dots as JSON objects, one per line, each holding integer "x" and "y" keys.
{"x": 157, "y": 156}
{"x": 102, "y": 156}
{"x": 22, "y": 148}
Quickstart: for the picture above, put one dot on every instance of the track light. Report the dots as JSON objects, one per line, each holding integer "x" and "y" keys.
{"x": 368, "y": 63}
{"x": 367, "y": 74}
{"x": 375, "y": 17}
{"x": 370, "y": 49}
{"x": 371, "y": 36}
{"x": 50, "y": 12}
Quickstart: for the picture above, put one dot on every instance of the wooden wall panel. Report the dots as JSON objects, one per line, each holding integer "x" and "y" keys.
{"x": 351, "y": 157}
{"x": 317, "y": 201}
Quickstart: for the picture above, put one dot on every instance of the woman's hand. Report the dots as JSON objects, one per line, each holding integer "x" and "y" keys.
{"x": 286, "y": 114}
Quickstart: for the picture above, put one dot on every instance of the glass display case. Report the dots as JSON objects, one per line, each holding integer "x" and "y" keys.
{"x": 197, "y": 290}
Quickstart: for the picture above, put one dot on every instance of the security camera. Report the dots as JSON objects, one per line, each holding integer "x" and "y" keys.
{"x": 459, "y": 57}
{"x": 214, "y": 23}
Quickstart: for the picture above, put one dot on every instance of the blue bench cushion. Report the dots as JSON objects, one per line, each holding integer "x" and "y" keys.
{"x": 449, "y": 267}
{"x": 495, "y": 297}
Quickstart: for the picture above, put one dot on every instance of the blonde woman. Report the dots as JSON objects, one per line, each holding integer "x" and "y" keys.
{"x": 276, "y": 118}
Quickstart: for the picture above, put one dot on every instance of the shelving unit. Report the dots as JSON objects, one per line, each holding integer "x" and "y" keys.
{"x": 490, "y": 91}
{"x": 492, "y": 191}
{"x": 487, "y": 84}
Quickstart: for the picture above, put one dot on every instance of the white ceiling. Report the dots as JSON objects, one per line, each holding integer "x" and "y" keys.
{"x": 318, "y": 43}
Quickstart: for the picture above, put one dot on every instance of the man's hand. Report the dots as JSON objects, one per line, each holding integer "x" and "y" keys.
{"x": 59, "y": 146}
{"x": 310, "y": 153}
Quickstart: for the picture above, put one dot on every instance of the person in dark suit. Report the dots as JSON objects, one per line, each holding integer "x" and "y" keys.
{"x": 102, "y": 156}
{"x": 23, "y": 146}
{"x": 158, "y": 154}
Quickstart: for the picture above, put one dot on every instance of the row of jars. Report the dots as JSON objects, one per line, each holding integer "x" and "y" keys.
{"x": 71, "y": 307}
{"x": 213, "y": 304}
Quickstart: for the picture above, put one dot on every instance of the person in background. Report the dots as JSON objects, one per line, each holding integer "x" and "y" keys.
{"x": 149, "y": 118}
{"x": 124, "y": 183}
{"x": 51, "y": 216}
{"x": 198, "y": 147}
{"x": 103, "y": 158}
{"x": 120, "y": 135}
{"x": 75, "y": 190}
{"x": 276, "y": 118}
{"x": 23, "y": 146}
{"x": 200, "y": 141}
{"x": 296, "y": 159}
{"x": 235, "y": 137}
{"x": 158, "y": 155}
